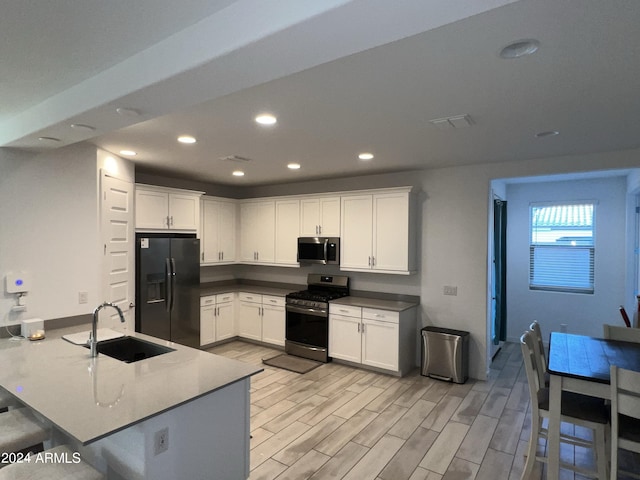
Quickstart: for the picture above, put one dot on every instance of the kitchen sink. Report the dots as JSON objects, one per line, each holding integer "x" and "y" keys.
{"x": 131, "y": 349}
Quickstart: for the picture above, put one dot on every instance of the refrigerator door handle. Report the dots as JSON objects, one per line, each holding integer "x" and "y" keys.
{"x": 173, "y": 281}
{"x": 168, "y": 285}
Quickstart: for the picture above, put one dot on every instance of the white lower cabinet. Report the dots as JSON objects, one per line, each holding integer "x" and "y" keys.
{"x": 261, "y": 318}
{"x": 377, "y": 338}
{"x": 344, "y": 338}
{"x": 217, "y": 319}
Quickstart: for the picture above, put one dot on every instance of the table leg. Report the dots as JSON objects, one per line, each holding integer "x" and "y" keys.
{"x": 553, "y": 439}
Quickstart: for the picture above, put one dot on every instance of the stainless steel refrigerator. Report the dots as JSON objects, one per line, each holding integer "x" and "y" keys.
{"x": 168, "y": 287}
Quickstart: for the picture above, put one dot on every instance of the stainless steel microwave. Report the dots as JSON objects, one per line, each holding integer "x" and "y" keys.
{"x": 324, "y": 250}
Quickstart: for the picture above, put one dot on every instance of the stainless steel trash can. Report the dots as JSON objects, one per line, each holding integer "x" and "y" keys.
{"x": 445, "y": 354}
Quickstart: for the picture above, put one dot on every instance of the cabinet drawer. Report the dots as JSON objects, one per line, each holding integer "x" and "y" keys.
{"x": 224, "y": 297}
{"x": 250, "y": 297}
{"x": 272, "y": 300}
{"x": 382, "y": 315}
{"x": 208, "y": 300}
{"x": 346, "y": 310}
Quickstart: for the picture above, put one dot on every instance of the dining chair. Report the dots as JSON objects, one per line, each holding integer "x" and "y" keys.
{"x": 625, "y": 415}
{"x": 577, "y": 409}
{"x": 614, "y": 332}
{"x": 539, "y": 353}
{"x": 67, "y": 469}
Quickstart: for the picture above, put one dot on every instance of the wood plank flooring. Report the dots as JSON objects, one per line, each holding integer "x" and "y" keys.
{"x": 339, "y": 422}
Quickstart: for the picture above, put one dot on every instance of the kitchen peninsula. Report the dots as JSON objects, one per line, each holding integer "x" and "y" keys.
{"x": 114, "y": 412}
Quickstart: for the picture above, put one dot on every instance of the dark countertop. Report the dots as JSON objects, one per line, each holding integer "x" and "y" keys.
{"x": 382, "y": 301}
{"x": 381, "y": 304}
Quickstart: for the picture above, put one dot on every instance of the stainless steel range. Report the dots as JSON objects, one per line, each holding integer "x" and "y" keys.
{"x": 307, "y": 324}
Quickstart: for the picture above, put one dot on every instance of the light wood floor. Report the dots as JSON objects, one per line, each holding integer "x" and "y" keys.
{"x": 339, "y": 422}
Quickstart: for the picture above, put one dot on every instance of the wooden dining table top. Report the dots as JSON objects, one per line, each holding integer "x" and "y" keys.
{"x": 590, "y": 358}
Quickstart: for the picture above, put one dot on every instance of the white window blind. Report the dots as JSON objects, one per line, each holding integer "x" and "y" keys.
{"x": 561, "y": 254}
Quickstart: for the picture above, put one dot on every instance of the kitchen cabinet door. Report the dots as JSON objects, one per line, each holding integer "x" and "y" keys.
{"x": 320, "y": 217}
{"x": 184, "y": 211}
{"x": 218, "y": 240}
{"x": 344, "y": 338}
{"x": 207, "y": 320}
{"x": 391, "y": 232}
{"x": 287, "y": 231}
{"x": 273, "y": 324}
{"x": 152, "y": 209}
{"x": 250, "y": 321}
{"x": 357, "y": 228}
{"x": 380, "y": 341}
{"x": 257, "y": 227}
{"x": 159, "y": 208}
{"x": 225, "y": 321}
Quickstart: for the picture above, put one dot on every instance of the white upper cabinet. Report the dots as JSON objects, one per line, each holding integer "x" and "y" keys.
{"x": 378, "y": 233}
{"x": 357, "y": 227}
{"x": 257, "y": 232}
{"x": 218, "y": 232}
{"x": 287, "y": 231}
{"x": 320, "y": 217}
{"x": 159, "y": 208}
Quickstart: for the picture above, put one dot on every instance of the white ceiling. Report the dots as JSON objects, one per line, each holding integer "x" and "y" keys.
{"x": 342, "y": 77}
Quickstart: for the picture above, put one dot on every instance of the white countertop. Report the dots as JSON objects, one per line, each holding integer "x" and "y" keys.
{"x": 92, "y": 398}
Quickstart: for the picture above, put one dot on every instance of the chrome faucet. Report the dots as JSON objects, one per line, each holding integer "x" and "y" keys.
{"x": 93, "y": 340}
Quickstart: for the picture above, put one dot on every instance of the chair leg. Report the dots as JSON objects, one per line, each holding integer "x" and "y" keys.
{"x": 602, "y": 463}
{"x": 531, "y": 452}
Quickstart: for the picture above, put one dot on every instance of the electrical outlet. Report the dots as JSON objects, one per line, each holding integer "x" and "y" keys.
{"x": 161, "y": 441}
{"x": 450, "y": 290}
{"x": 83, "y": 297}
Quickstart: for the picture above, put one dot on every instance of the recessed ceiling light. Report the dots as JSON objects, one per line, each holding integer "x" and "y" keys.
{"x": 520, "y": 48}
{"x": 238, "y": 173}
{"x": 129, "y": 153}
{"x": 82, "y": 127}
{"x": 293, "y": 166}
{"x": 48, "y": 139}
{"x": 186, "y": 139}
{"x": 365, "y": 156}
{"x": 266, "y": 119}
{"x": 548, "y": 133}
{"x": 127, "y": 112}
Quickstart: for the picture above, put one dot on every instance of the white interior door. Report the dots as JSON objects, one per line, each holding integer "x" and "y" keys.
{"x": 118, "y": 267}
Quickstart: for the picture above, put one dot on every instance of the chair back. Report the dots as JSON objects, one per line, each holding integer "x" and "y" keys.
{"x": 527, "y": 342}
{"x": 614, "y": 332}
{"x": 625, "y": 392}
{"x": 625, "y": 400}
{"x": 539, "y": 351}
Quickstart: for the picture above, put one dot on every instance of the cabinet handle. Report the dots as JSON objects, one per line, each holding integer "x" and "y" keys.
{"x": 172, "y": 220}
{"x": 320, "y": 229}
{"x": 358, "y": 328}
{"x": 222, "y": 255}
{"x": 369, "y": 262}
{"x": 316, "y": 229}
{"x": 373, "y": 261}
{"x": 168, "y": 221}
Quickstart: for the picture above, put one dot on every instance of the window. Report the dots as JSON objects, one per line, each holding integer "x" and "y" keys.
{"x": 561, "y": 253}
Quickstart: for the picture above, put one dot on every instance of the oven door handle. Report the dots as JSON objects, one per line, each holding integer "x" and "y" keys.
{"x": 307, "y": 311}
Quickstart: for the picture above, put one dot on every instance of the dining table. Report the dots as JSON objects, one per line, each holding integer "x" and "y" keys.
{"x": 581, "y": 364}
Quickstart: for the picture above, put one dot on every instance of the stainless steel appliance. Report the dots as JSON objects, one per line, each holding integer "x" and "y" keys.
{"x": 307, "y": 316}
{"x": 323, "y": 250}
{"x": 445, "y": 354}
{"x": 168, "y": 287}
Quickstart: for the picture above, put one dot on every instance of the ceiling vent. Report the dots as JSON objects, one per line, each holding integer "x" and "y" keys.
{"x": 457, "y": 121}
{"x": 235, "y": 158}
